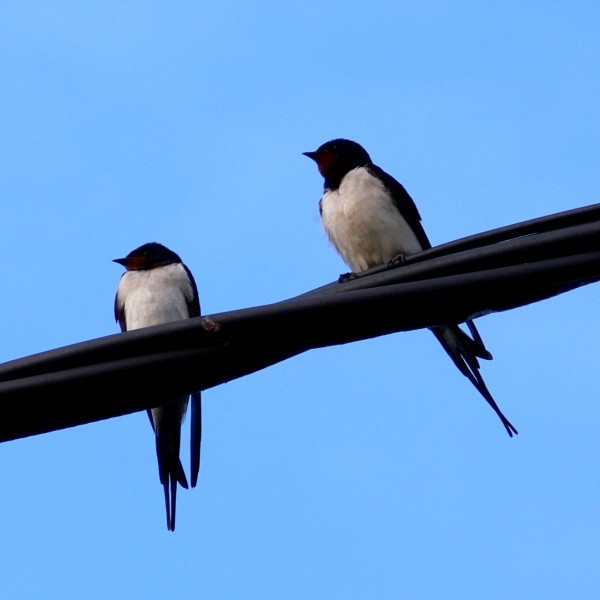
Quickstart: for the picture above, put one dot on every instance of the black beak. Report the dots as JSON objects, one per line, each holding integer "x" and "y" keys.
{"x": 312, "y": 155}
{"x": 121, "y": 261}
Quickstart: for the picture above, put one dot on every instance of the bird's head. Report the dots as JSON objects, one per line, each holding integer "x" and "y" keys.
{"x": 337, "y": 157}
{"x": 148, "y": 256}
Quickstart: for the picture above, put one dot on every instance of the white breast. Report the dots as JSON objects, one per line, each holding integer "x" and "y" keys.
{"x": 155, "y": 296}
{"x": 363, "y": 223}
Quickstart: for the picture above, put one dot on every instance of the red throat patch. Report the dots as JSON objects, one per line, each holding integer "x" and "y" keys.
{"x": 325, "y": 161}
{"x": 135, "y": 263}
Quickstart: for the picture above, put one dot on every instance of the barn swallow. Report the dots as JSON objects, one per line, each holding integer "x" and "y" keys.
{"x": 158, "y": 288}
{"x": 371, "y": 220}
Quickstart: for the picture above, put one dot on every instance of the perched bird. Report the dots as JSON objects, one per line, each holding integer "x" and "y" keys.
{"x": 371, "y": 220}
{"x": 158, "y": 288}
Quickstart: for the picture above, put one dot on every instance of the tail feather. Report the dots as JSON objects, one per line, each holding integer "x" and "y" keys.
{"x": 170, "y": 490}
{"x": 480, "y": 349}
{"x": 181, "y": 478}
{"x": 171, "y": 523}
{"x": 170, "y": 470}
{"x": 464, "y": 352}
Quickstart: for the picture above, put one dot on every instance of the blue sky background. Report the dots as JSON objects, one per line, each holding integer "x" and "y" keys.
{"x": 372, "y": 470}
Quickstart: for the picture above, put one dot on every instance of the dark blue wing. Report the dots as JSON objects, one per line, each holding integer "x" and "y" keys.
{"x": 120, "y": 314}
{"x": 196, "y": 400}
{"x": 196, "y": 437}
{"x": 404, "y": 203}
{"x": 194, "y": 303}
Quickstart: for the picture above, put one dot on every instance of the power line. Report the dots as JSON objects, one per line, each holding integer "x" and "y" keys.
{"x": 127, "y": 372}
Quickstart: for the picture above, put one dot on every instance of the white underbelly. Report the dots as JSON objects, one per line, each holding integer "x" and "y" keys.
{"x": 363, "y": 224}
{"x": 145, "y": 309}
{"x": 153, "y": 297}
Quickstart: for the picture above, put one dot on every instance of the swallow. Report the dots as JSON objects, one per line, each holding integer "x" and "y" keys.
{"x": 158, "y": 288}
{"x": 371, "y": 220}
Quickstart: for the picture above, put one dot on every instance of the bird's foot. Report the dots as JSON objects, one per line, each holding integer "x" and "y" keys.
{"x": 346, "y": 277}
{"x": 397, "y": 260}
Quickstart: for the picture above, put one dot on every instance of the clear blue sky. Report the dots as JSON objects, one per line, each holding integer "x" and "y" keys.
{"x": 372, "y": 470}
